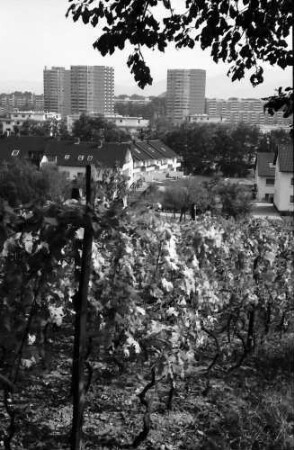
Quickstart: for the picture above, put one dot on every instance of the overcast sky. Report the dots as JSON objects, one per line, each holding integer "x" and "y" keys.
{"x": 35, "y": 33}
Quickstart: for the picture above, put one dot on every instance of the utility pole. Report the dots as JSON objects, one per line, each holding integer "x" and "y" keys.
{"x": 78, "y": 385}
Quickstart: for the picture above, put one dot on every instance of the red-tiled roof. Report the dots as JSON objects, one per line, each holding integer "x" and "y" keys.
{"x": 285, "y": 158}
{"x": 263, "y": 164}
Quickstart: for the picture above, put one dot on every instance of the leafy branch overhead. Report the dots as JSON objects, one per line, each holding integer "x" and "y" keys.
{"x": 244, "y": 33}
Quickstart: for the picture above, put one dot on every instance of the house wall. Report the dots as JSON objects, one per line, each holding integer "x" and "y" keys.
{"x": 283, "y": 190}
{"x": 72, "y": 172}
{"x": 17, "y": 119}
{"x": 128, "y": 168}
{"x": 263, "y": 188}
{"x": 156, "y": 169}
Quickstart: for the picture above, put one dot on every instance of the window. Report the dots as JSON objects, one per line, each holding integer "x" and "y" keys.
{"x": 292, "y": 181}
{"x": 291, "y": 198}
{"x": 89, "y": 158}
{"x": 66, "y": 174}
{"x": 80, "y": 157}
{"x": 269, "y": 181}
{"x": 66, "y": 156}
{"x": 269, "y": 198}
{"x": 14, "y": 152}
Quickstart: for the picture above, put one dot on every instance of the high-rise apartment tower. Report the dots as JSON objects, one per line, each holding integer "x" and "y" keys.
{"x": 57, "y": 90}
{"x": 92, "y": 89}
{"x": 185, "y": 93}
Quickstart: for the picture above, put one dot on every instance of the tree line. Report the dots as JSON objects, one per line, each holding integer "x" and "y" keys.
{"x": 226, "y": 149}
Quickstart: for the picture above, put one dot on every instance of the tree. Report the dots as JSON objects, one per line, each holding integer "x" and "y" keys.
{"x": 236, "y": 147}
{"x": 35, "y": 128}
{"x": 245, "y": 34}
{"x": 282, "y": 100}
{"x": 235, "y": 199}
{"x": 97, "y": 129}
{"x": 215, "y": 147}
{"x": 62, "y": 130}
{"x": 153, "y": 110}
{"x": 21, "y": 182}
{"x": 268, "y": 142}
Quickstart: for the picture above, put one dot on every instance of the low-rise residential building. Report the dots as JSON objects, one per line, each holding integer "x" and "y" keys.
{"x": 147, "y": 160}
{"x": 284, "y": 179}
{"x": 72, "y": 158}
{"x": 14, "y": 120}
{"x": 275, "y": 178}
{"x": 141, "y": 160}
{"x": 204, "y": 118}
{"x": 133, "y": 100}
{"x": 30, "y": 148}
{"x": 265, "y": 176}
{"x": 131, "y": 125}
{"x": 153, "y": 160}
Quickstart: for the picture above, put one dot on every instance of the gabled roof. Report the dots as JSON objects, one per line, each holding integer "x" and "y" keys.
{"x": 285, "y": 157}
{"x": 25, "y": 145}
{"x": 163, "y": 149}
{"x": 152, "y": 149}
{"x": 263, "y": 164}
{"x": 143, "y": 151}
{"x": 73, "y": 154}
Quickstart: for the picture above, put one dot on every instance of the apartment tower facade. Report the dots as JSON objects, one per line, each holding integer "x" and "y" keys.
{"x": 92, "y": 89}
{"x": 185, "y": 93}
{"x": 57, "y": 90}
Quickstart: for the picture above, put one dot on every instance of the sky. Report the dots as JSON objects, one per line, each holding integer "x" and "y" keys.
{"x": 36, "y": 33}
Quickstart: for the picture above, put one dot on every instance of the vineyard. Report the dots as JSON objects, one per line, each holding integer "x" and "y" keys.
{"x": 169, "y": 336}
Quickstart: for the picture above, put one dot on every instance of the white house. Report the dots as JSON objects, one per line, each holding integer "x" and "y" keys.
{"x": 129, "y": 124}
{"x": 265, "y": 176}
{"x": 284, "y": 179}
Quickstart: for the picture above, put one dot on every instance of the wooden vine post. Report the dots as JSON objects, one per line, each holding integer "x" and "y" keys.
{"x": 78, "y": 387}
